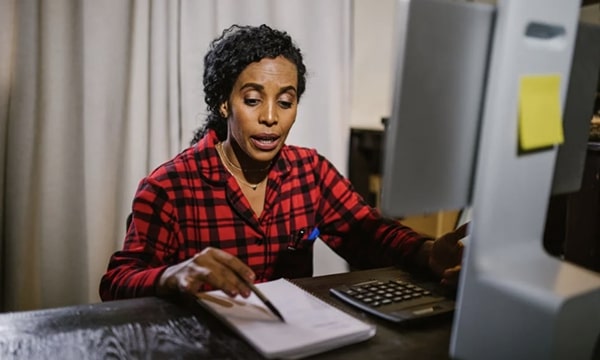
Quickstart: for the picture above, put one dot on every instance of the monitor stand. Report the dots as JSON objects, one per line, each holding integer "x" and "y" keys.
{"x": 515, "y": 301}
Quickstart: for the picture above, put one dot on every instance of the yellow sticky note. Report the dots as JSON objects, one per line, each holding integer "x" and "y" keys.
{"x": 540, "y": 115}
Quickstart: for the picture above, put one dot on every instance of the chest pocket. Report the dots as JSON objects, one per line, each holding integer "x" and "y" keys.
{"x": 295, "y": 255}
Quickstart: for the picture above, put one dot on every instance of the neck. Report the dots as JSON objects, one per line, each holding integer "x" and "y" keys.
{"x": 233, "y": 159}
{"x": 251, "y": 176}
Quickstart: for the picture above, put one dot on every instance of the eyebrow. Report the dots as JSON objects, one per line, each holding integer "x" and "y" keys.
{"x": 261, "y": 87}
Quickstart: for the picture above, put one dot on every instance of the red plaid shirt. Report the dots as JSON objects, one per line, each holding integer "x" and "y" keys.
{"x": 192, "y": 202}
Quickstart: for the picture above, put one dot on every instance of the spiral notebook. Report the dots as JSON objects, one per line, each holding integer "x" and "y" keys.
{"x": 311, "y": 325}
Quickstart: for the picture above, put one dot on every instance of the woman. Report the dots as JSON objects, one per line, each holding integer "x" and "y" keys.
{"x": 241, "y": 204}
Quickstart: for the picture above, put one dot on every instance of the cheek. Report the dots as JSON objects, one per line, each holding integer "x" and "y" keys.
{"x": 239, "y": 129}
{"x": 233, "y": 127}
{"x": 288, "y": 122}
{"x": 236, "y": 131}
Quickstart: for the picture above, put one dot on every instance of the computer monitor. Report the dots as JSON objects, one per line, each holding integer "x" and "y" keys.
{"x": 453, "y": 139}
{"x": 430, "y": 140}
{"x": 584, "y": 82}
{"x": 571, "y": 160}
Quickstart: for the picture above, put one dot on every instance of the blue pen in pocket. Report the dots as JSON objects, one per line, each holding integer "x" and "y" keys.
{"x": 314, "y": 234}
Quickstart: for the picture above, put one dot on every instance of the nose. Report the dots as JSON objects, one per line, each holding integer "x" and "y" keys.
{"x": 269, "y": 115}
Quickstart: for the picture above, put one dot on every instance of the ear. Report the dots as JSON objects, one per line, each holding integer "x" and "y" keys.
{"x": 223, "y": 110}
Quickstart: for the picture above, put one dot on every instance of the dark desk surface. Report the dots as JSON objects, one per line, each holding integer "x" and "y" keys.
{"x": 179, "y": 329}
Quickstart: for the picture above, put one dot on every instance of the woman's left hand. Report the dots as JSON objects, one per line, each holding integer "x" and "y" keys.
{"x": 446, "y": 254}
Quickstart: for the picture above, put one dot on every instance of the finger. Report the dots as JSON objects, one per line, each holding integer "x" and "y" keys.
{"x": 456, "y": 235}
{"x": 463, "y": 230}
{"x": 205, "y": 268}
{"x": 460, "y": 247}
{"x": 227, "y": 282}
{"x": 452, "y": 271}
{"x": 233, "y": 273}
{"x": 236, "y": 265}
{"x": 451, "y": 275}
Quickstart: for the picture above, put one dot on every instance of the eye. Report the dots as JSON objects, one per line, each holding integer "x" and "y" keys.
{"x": 285, "y": 104}
{"x": 251, "y": 101}
{"x": 286, "y": 100}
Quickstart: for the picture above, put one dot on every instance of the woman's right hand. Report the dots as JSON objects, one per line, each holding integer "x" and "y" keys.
{"x": 212, "y": 266}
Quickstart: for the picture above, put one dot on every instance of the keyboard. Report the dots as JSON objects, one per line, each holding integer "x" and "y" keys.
{"x": 396, "y": 298}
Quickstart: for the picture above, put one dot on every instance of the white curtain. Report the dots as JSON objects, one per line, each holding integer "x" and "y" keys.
{"x": 95, "y": 94}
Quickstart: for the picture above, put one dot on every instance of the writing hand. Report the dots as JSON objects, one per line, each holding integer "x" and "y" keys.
{"x": 212, "y": 266}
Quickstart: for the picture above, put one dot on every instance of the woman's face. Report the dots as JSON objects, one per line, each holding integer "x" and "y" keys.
{"x": 262, "y": 109}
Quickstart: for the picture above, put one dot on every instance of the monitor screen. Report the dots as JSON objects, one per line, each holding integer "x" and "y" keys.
{"x": 430, "y": 139}
{"x": 579, "y": 109}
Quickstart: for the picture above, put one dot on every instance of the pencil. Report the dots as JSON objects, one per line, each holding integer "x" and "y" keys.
{"x": 262, "y": 298}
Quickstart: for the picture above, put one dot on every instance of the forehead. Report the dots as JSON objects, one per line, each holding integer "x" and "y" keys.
{"x": 279, "y": 70}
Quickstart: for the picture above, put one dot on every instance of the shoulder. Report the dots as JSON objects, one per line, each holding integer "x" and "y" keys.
{"x": 180, "y": 166}
{"x": 303, "y": 160}
{"x": 294, "y": 153}
{"x": 303, "y": 156}
{"x": 199, "y": 161}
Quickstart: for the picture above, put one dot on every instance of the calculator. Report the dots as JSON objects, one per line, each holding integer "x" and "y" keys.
{"x": 396, "y": 299}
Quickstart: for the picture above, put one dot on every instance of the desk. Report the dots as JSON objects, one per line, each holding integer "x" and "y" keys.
{"x": 179, "y": 329}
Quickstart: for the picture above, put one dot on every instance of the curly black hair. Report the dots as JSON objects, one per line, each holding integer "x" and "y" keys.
{"x": 228, "y": 55}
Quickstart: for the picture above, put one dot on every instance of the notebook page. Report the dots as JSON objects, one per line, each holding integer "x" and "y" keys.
{"x": 311, "y": 325}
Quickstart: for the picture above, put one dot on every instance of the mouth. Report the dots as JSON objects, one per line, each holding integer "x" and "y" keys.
{"x": 265, "y": 142}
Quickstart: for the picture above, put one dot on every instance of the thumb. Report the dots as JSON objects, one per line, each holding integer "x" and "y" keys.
{"x": 457, "y": 234}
